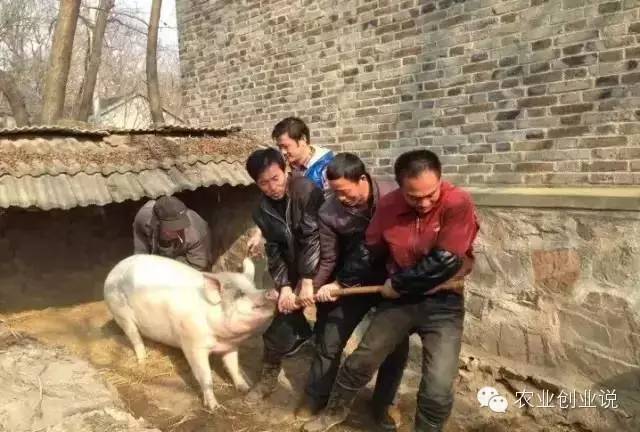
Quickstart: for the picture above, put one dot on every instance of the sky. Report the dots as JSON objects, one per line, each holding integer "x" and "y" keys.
{"x": 168, "y": 34}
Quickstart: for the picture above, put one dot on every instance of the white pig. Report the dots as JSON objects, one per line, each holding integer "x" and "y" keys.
{"x": 201, "y": 313}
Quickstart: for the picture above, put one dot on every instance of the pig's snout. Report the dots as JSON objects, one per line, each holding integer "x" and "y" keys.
{"x": 262, "y": 299}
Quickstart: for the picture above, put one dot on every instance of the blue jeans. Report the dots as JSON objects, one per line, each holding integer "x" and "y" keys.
{"x": 438, "y": 319}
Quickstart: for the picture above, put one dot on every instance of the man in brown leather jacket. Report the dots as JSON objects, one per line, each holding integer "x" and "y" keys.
{"x": 344, "y": 218}
{"x": 426, "y": 229}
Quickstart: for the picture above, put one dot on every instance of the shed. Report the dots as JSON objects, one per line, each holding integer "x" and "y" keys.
{"x": 68, "y": 197}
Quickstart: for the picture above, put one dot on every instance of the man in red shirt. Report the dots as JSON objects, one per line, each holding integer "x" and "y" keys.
{"x": 426, "y": 230}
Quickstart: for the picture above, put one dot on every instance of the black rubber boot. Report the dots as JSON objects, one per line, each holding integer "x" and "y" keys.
{"x": 336, "y": 412}
{"x": 425, "y": 426}
{"x": 307, "y": 408}
{"x": 384, "y": 418}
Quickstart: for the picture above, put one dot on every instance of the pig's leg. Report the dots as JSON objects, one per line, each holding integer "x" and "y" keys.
{"x": 131, "y": 330}
{"x": 198, "y": 359}
{"x": 230, "y": 361}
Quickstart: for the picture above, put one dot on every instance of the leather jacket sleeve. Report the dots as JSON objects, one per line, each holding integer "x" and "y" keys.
{"x": 361, "y": 267}
{"x": 433, "y": 269}
{"x": 309, "y": 239}
{"x": 376, "y": 245}
{"x": 328, "y": 254}
{"x": 276, "y": 262}
{"x": 277, "y": 265}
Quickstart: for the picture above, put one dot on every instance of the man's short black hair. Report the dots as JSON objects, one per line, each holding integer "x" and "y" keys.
{"x": 294, "y": 127}
{"x": 413, "y": 163}
{"x": 260, "y": 160}
{"x": 347, "y": 166}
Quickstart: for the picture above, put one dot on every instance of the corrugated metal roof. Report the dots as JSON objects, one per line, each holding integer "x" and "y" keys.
{"x": 67, "y": 191}
{"x": 75, "y": 167}
{"x": 101, "y": 131}
{"x": 177, "y": 129}
{"x": 41, "y": 156}
{"x": 36, "y": 155}
{"x": 45, "y": 130}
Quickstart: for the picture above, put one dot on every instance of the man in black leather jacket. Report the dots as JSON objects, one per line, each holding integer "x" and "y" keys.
{"x": 427, "y": 229}
{"x": 344, "y": 218}
{"x": 288, "y": 219}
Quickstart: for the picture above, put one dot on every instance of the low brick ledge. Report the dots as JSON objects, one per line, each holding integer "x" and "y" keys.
{"x": 597, "y": 198}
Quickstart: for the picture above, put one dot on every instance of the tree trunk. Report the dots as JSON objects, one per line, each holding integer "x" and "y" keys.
{"x": 59, "y": 61}
{"x": 153, "y": 85}
{"x": 16, "y": 100}
{"x": 95, "y": 56}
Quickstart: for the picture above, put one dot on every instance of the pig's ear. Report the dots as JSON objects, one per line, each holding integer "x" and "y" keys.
{"x": 212, "y": 289}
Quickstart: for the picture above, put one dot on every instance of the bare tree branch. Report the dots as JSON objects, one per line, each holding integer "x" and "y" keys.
{"x": 126, "y": 25}
{"x": 132, "y": 17}
{"x": 95, "y": 56}
{"x": 26, "y": 30}
{"x": 15, "y": 98}
{"x": 60, "y": 61}
{"x": 88, "y": 24}
{"x": 153, "y": 85}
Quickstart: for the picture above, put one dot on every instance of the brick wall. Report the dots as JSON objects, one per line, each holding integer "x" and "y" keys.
{"x": 508, "y": 92}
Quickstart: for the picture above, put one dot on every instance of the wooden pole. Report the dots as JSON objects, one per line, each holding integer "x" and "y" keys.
{"x": 456, "y": 285}
{"x": 340, "y": 292}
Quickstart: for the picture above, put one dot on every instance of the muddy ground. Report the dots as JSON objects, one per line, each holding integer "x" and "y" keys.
{"x": 165, "y": 393}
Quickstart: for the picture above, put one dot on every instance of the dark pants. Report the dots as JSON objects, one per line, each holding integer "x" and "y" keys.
{"x": 335, "y": 324}
{"x": 285, "y": 330}
{"x": 438, "y": 319}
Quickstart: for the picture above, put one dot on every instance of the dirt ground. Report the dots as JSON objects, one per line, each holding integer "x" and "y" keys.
{"x": 46, "y": 389}
{"x": 163, "y": 391}
{"x": 165, "y": 394}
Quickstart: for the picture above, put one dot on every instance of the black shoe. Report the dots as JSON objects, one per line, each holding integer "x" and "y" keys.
{"x": 384, "y": 417}
{"x": 297, "y": 346}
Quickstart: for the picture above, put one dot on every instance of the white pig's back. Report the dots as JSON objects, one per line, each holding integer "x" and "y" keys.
{"x": 162, "y": 275}
{"x": 158, "y": 291}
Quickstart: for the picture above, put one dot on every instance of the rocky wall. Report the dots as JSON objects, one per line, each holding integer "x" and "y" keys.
{"x": 559, "y": 288}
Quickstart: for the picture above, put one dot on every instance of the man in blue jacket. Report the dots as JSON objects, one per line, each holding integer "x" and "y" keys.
{"x": 294, "y": 141}
{"x": 293, "y": 138}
